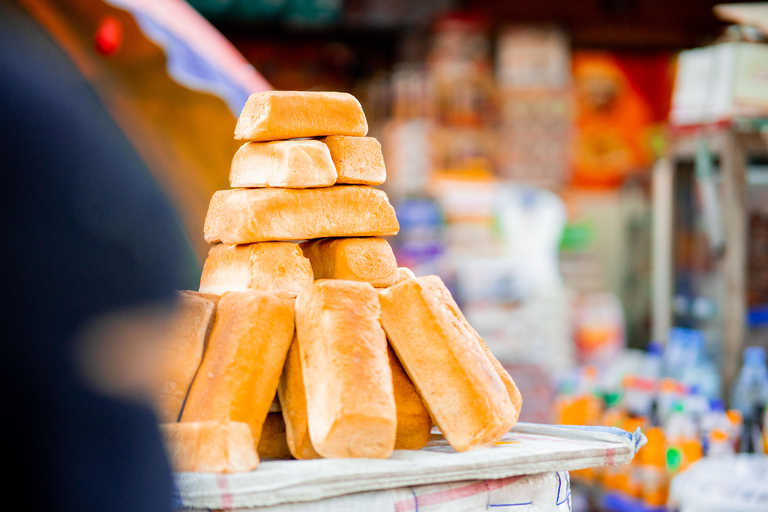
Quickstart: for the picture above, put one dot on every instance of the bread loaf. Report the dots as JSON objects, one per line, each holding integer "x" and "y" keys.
{"x": 210, "y": 296}
{"x": 285, "y": 163}
{"x": 293, "y": 402}
{"x": 413, "y": 421}
{"x": 210, "y": 446}
{"x": 449, "y": 367}
{"x": 279, "y": 115}
{"x": 358, "y": 160}
{"x": 275, "y": 405}
{"x": 241, "y": 367}
{"x": 273, "y": 444}
{"x": 512, "y": 389}
{"x": 244, "y": 216}
{"x": 357, "y": 259}
{"x": 182, "y": 353}
{"x": 279, "y": 268}
{"x": 404, "y": 273}
{"x": 350, "y": 402}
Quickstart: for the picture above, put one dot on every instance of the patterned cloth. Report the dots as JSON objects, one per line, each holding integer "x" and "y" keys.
{"x": 535, "y": 458}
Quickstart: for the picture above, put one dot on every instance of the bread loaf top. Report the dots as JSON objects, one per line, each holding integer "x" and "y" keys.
{"x": 279, "y": 115}
{"x": 241, "y": 216}
{"x": 283, "y": 163}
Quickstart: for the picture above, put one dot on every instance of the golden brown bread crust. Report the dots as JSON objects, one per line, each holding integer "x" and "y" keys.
{"x": 358, "y": 160}
{"x": 293, "y": 402}
{"x": 452, "y": 372}
{"x": 182, "y": 353}
{"x": 350, "y": 404}
{"x": 357, "y": 259}
{"x": 279, "y": 115}
{"x": 210, "y": 446}
{"x": 279, "y": 268}
{"x": 272, "y": 444}
{"x": 241, "y": 367}
{"x": 413, "y": 421}
{"x": 404, "y": 273}
{"x": 285, "y": 163}
{"x": 244, "y": 216}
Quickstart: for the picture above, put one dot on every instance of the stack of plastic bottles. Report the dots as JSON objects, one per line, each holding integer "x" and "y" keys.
{"x": 674, "y": 396}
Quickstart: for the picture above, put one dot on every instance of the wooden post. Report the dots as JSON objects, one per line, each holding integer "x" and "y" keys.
{"x": 663, "y": 179}
{"x": 734, "y": 262}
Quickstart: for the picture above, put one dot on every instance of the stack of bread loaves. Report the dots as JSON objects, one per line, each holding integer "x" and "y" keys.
{"x": 312, "y": 320}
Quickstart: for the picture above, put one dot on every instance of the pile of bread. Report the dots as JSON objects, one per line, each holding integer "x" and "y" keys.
{"x": 300, "y": 297}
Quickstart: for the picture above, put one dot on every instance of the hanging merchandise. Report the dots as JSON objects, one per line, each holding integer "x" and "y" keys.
{"x": 621, "y": 106}
{"x": 710, "y": 204}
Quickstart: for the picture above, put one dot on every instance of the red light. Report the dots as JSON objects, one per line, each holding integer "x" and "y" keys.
{"x": 109, "y": 35}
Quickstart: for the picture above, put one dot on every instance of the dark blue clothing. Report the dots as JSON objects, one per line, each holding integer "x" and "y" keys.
{"x": 86, "y": 231}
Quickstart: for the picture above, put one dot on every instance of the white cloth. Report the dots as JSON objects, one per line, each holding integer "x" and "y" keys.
{"x": 544, "y": 492}
{"x": 528, "y": 449}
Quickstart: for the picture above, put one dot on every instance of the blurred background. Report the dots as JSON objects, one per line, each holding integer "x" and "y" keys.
{"x": 590, "y": 178}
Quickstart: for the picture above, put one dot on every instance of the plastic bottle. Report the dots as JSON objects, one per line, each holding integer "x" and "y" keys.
{"x": 717, "y": 419}
{"x": 696, "y": 404}
{"x": 638, "y": 395}
{"x": 614, "y": 413}
{"x": 751, "y": 387}
{"x": 751, "y": 438}
{"x": 652, "y": 365}
{"x": 653, "y": 471}
{"x": 672, "y": 355}
{"x": 680, "y": 425}
{"x": 719, "y": 443}
{"x": 670, "y": 393}
{"x": 692, "y": 367}
{"x": 684, "y": 444}
{"x": 737, "y": 420}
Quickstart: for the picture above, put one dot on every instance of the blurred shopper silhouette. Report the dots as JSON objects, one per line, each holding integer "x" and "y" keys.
{"x": 93, "y": 253}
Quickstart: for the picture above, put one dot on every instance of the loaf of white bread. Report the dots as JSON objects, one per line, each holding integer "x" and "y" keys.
{"x": 279, "y": 268}
{"x": 210, "y": 446}
{"x": 241, "y": 367}
{"x": 182, "y": 353}
{"x": 244, "y": 216}
{"x": 350, "y": 401}
{"x": 358, "y": 160}
{"x": 404, "y": 273}
{"x": 279, "y": 115}
{"x": 413, "y": 421}
{"x": 293, "y": 402}
{"x": 448, "y": 363}
{"x": 367, "y": 259}
{"x": 285, "y": 163}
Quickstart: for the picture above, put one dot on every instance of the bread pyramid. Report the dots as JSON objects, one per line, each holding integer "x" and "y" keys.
{"x": 364, "y": 356}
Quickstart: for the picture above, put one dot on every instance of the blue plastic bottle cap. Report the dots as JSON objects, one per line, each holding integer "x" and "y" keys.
{"x": 754, "y": 354}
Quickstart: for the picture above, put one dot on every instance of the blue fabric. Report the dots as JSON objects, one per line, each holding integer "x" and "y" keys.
{"x": 190, "y": 69}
